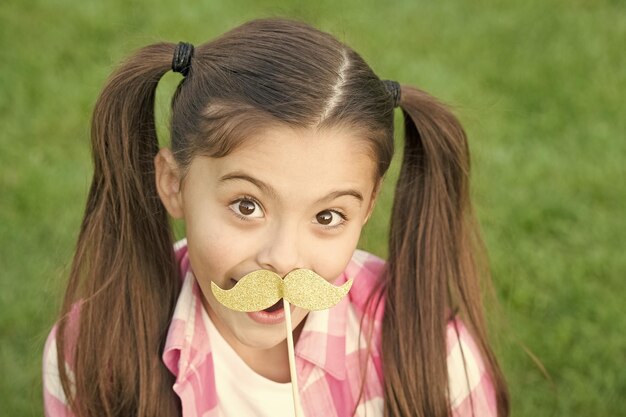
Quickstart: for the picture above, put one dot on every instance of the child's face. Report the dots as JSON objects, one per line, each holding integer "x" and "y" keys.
{"x": 285, "y": 200}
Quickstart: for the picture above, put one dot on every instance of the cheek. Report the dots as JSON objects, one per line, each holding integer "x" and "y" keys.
{"x": 333, "y": 255}
{"x": 214, "y": 247}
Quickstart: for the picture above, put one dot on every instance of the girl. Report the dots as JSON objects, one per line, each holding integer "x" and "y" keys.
{"x": 281, "y": 136}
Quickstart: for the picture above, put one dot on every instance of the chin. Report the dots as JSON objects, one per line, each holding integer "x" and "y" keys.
{"x": 264, "y": 339}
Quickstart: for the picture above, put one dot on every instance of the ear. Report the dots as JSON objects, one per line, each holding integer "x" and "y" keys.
{"x": 375, "y": 194}
{"x": 168, "y": 182}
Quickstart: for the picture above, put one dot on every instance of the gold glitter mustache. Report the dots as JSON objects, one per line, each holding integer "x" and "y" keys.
{"x": 261, "y": 289}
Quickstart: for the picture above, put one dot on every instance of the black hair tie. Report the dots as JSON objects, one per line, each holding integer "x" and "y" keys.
{"x": 182, "y": 58}
{"x": 393, "y": 87}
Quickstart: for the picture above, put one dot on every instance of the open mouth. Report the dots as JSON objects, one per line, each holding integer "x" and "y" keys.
{"x": 275, "y": 307}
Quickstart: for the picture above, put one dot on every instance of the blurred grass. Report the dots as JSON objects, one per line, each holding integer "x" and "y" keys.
{"x": 538, "y": 85}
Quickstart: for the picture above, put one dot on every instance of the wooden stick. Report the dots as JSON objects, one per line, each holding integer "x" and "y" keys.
{"x": 292, "y": 360}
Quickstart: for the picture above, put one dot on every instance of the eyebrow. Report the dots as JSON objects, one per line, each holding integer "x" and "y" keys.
{"x": 268, "y": 189}
{"x": 239, "y": 175}
{"x": 341, "y": 193}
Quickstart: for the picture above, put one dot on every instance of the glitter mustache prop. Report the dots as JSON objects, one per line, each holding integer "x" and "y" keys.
{"x": 261, "y": 289}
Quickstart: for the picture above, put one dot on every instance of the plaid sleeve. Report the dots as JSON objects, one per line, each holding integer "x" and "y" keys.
{"x": 54, "y": 400}
{"x": 470, "y": 386}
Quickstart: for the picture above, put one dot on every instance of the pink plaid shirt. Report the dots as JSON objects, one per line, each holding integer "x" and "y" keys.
{"x": 328, "y": 353}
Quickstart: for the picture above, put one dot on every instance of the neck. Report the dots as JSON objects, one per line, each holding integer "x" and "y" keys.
{"x": 271, "y": 363}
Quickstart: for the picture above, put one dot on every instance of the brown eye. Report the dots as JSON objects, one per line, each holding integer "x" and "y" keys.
{"x": 324, "y": 217}
{"x": 330, "y": 218}
{"x": 246, "y": 207}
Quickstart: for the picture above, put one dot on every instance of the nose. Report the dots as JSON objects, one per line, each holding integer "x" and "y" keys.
{"x": 280, "y": 252}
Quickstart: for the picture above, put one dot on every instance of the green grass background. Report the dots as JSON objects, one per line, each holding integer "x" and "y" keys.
{"x": 539, "y": 86}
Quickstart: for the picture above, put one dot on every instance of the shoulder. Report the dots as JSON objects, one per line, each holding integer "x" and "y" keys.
{"x": 470, "y": 385}
{"x": 180, "y": 252}
{"x": 366, "y": 303}
{"x": 366, "y": 262}
{"x": 367, "y": 272}
{"x": 55, "y": 401}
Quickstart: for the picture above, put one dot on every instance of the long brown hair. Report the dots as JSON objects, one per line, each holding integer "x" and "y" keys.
{"x": 433, "y": 266}
{"x": 125, "y": 280}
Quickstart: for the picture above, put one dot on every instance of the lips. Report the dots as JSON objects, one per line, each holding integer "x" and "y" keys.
{"x": 266, "y": 317}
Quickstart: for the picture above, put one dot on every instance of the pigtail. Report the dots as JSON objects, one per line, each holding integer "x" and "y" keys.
{"x": 431, "y": 246}
{"x": 124, "y": 278}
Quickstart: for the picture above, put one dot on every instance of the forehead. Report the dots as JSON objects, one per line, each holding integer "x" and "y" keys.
{"x": 302, "y": 159}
